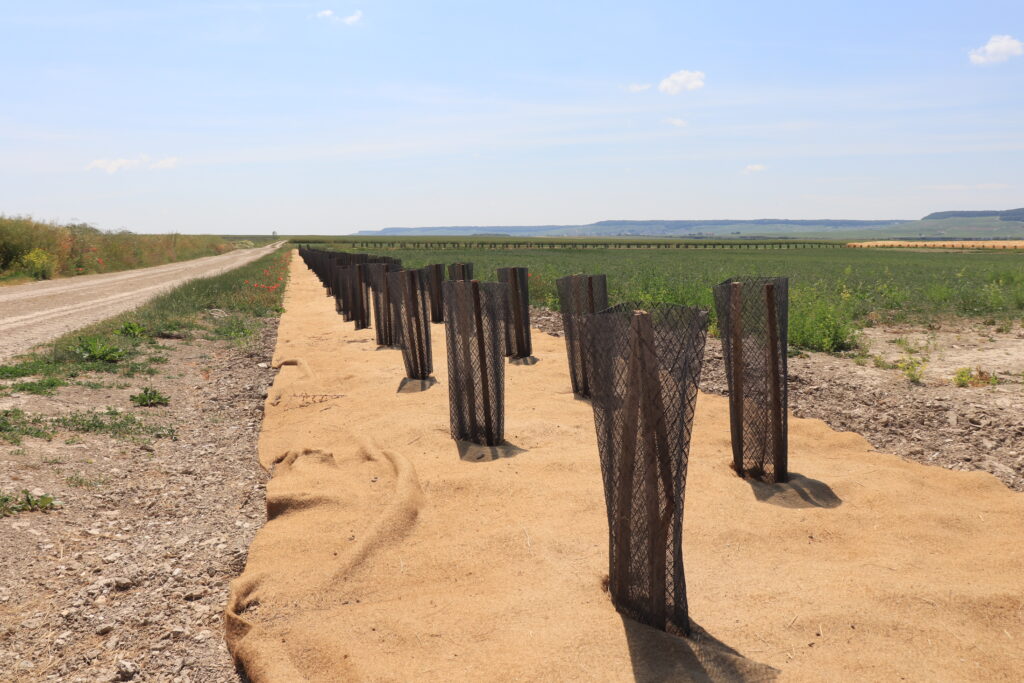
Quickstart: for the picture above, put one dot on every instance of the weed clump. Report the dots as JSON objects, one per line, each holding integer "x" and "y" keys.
{"x": 12, "y": 504}
{"x": 149, "y": 397}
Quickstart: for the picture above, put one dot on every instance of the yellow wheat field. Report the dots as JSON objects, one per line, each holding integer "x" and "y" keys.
{"x": 953, "y": 244}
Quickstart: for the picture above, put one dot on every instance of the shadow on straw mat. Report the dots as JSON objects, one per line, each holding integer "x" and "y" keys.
{"x": 529, "y": 360}
{"x": 412, "y": 386}
{"x": 798, "y": 492}
{"x": 474, "y": 452}
{"x": 659, "y": 656}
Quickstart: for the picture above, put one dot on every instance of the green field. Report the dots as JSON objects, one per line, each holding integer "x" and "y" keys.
{"x": 833, "y": 292}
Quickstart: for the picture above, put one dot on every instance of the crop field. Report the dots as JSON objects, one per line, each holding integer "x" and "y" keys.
{"x": 833, "y": 292}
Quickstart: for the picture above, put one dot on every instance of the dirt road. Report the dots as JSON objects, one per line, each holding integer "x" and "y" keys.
{"x": 38, "y": 312}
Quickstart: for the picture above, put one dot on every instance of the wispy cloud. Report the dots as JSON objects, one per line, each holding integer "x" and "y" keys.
{"x": 112, "y": 166}
{"x": 678, "y": 123}
{"x": 331, "y": 15}
{"x": 964, "y": 188}
{"x": 169, "y": 162}
{"x": 682, "y": 80}
{"x": 753, "y": 168}
{"x": 997, "y": 49}
{"x": 638, "y": 87}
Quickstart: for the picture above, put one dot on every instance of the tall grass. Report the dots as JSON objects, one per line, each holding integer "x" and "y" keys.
{"x": 833, "y": 292}
{"x": 44, "y": 250}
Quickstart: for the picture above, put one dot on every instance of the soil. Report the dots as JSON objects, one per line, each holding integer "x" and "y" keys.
{"x": 393, "y": 553}
{"x": 127, "y": 580}
{"x": 34, "y": 313}
{"x": 934, "y": 422}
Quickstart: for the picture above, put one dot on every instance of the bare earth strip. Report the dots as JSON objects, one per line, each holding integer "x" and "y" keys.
{"x": 386, "y": 556}
{"x": 38, "y": 312}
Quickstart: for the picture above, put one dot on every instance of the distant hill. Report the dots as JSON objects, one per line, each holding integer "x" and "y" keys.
{"x": 749, "y": 229}
{"x": 1008, "y": 215}
{"x": 941, "y": 225}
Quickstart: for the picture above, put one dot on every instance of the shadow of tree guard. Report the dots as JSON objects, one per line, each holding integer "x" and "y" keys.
{"x": 409, "y": 385}
{"x": 658, "y": 656}
{"x": 474, "y": 452}
{"x": 798, "y": 492}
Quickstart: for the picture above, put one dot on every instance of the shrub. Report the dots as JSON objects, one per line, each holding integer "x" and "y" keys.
{"x": 96, "y": 349}
{"x": 13, "y": 504}
{"x": 150, "y": 397}
{"x": 38, "y": 264}
{"x": 132, "y": 330}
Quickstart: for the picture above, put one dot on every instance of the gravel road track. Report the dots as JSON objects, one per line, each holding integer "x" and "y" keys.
{"x": 40, "y": 311}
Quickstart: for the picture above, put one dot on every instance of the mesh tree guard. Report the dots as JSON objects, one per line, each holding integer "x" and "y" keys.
{"x": 460, "y": 271}
{"x": 753, "y": 322}
{"x": 383, "y": 314}
{"x": 360, "y": 298}
{"x": 344, "y": 291}
{"x": 518, "y": 343}
{"x": 474, "y": 314}
{"x": 645, "y": 370}
{"x": 435, "y": 277}
{"x": 412, "y": 321}
{"x": 579, "y": 295}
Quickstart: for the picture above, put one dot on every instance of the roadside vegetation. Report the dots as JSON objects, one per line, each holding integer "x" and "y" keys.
{"x": 230, "y": 306}
{"x": 36, "y": 250}
{"x": 833, "y": 292}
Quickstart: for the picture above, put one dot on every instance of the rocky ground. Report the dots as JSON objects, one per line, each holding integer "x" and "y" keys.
{"x": 934, "y": 422}
{"x": 127, "y": 580}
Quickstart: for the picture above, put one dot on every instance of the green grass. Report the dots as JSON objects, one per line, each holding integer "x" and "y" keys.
{"x": 16, "y": 424}
{"x": 111, "y": 422}
{"x": 833, "y": 292}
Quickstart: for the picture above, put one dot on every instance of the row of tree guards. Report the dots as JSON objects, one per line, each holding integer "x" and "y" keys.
{"x": 639, "y": 365}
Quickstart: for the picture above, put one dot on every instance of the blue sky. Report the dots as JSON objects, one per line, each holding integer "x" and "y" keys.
{"x": 329, "y": 117}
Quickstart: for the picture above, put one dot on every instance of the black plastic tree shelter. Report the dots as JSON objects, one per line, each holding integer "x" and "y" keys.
{"x": 645, "y": 367}
{"x": 412, "y": 321}
{"x": 518, "y": 343}
{"x": 579, "y": 295}
{"x": 753, "y": 323}
{"x": 474, "y": 314}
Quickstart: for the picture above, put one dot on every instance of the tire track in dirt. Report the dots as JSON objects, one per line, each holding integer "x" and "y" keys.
{"x": 40, "y": 311}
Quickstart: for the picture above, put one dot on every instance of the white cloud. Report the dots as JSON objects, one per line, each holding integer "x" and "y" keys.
{"x": 678, "y": 123}
{"x": 753, "y": 168}
{"x": 169, "y": 162}
{"x": 682, "y": 80}
{"x": 330, "y": 15}
{"x": 638, "y": 87}
{"x": 112, "y": 165}
{"x": 997, "y": 49}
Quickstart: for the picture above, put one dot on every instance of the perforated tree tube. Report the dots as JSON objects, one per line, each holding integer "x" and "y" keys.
{"x": 753, "y": 322}
{"x": 460, "y": 271}
{"x": 579, "y": 295}
{"x": 474, "y": 314}
{"x": 383, "y": 310}
{"x": 344, "y": 291}
{"x": 518, "y": 343}
{"x": 360, "y": 298}
{"x": 645, "y": 370}
{"x": 434, "y": 275}
{"x": 412, "y": 321}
